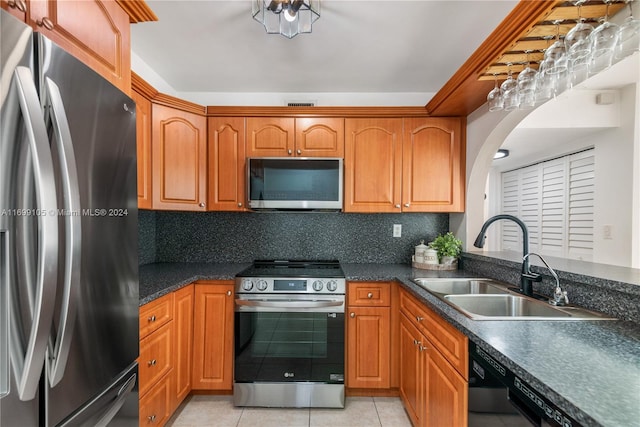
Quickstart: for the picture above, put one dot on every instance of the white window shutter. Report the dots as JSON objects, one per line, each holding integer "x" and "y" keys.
{"x": 581, "y": 205}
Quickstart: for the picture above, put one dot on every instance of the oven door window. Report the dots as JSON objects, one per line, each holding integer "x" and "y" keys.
{"x": 289, "y": 347}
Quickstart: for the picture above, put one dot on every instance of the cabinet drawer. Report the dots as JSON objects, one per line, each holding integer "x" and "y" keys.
{"x": 155, "y": 314}
{"x": 369, "y": 294}
{"x": 156, "y": 356}
{"x": 448, "y": 340}
{"x": 155, "y": 405}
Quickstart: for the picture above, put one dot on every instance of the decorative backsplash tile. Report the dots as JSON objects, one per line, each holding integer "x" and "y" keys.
{"x": 243, "y": 237}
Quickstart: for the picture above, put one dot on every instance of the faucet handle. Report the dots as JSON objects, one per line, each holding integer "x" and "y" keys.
{"x": 559, "y": 297}
{"x": 532, "y": 276}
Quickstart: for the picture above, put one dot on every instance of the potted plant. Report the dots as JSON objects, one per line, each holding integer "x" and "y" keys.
{"x": 448, "y": 247}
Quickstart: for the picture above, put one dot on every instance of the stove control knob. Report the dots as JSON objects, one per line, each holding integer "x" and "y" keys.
{"x": 262, "y": 285}
{"x": 317, "y": 285}
{"x": 247, "y": 284}
{"x": 332, "y": 286}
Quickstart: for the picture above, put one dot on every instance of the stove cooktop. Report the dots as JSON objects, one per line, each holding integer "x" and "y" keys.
{"x": 294, "y": 268}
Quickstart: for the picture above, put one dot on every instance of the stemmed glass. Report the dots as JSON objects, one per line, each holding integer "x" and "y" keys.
{"x": 544, "y": 80}
{"x": 603, "y": 43}
{"x": 558, "y": 67}
{"x": 628, "y": 36}
{"x": 578, "y": 46}
{"x": 509, "y": 90}
{"x": 527, "y": 85}
{"x": 494, "y": 98}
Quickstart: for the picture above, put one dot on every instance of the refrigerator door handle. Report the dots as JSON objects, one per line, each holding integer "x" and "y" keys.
{"x": 4, "y": 313}
{"x": 59, "y": 349}
{"x": 28, "y": 367}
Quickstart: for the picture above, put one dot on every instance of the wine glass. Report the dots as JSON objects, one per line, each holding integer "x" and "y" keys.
{"x": 578, "y": 46}
{"x": 628, "y": 36}
{"x": 494, "y": 98}
{"x": 557, "y": 53}
{"x": 509, "y": 90}
{"x": 527, "y": 85}
{"x": 544, "y": 80}
{"x": 603, "y": 43}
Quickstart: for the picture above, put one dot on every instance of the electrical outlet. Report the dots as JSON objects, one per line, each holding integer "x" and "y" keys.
{"x": 397, "y": 230}
{"x": 607, "y": 232}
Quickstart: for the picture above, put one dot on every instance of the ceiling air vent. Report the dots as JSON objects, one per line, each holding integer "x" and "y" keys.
{"x": 301, "y": 104}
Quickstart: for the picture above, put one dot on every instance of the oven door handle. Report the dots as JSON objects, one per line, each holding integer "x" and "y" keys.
{"x": 290, "y": 303}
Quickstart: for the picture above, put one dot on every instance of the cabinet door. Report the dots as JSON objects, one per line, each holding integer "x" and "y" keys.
{"x": 179, "y": 159}
{"x": 183, "y": 323}
{"x": 411, "y": 371}
{"x": 433, "y": 165}
{"x": 155, "y": 406}
{"x": 94, "y": 31}
{"x": 213, "y": 336}
{"x": 446, "y": 392}
{"x": 372, "y": 165}
{"x": 368, "y": 347}
{"x": 143, "y": 144}
{"x": 320, "y": 137}
{"x": 270, "y": 136}
{"x": 156, "y": 357}
{"x": 226, "y": 163}
{"x": 17, "y": 8}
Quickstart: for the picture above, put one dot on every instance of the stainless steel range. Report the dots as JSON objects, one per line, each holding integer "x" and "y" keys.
{"x": 289, "y": 334}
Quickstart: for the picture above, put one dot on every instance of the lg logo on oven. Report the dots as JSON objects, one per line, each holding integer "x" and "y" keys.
{"x": 288, "y": 374}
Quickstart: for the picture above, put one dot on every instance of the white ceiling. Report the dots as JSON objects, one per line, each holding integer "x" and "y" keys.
{"x": 213, "y": 52}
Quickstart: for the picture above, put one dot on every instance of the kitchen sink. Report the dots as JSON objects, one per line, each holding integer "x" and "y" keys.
{"x": 460, "y": 286}
{"x": 484, "y": 299}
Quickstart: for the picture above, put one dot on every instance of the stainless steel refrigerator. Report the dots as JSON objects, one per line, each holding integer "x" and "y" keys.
{"x": 68, "y": 239}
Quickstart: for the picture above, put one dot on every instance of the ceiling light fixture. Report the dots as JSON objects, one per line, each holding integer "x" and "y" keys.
{"x": 501, "y": 154}
{"x": 286, "y": 17}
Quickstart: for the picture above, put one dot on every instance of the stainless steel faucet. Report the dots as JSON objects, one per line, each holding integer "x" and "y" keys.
{"x": 527, "y": 277}
{"x": 559, "y": 296}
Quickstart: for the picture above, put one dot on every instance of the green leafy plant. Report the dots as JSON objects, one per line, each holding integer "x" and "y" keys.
{"x": 447, "y": 245}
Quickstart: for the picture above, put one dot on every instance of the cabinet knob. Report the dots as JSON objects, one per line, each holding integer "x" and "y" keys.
{"x": 397, "y": 206}
{"x": 201, "y": 204}
{"x": 151, "y": 418}
{"x": 299, "y": 151}
{"x": 228, "y": 293}
{"x": 21, "y": 5}
{"x": 152, "y": 318}
{"x": 406, "y": 205}
{"x": 239, "y": 205}
{"x": 45, "y": 22}
{"x": 152, "y": 362}
{"x": 369, "y": 295}
{"x": 352, "y": 315}
{"x": 419, "y": 319}
{"x": 289, "y": 152}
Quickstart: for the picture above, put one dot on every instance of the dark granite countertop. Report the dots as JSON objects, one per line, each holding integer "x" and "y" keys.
{"x": 591, "y": 369}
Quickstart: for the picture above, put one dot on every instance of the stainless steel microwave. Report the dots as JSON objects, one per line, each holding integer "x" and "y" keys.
{"x": 295, "y": 183}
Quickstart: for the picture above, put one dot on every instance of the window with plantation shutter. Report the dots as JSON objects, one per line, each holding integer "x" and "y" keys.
{"x": 555, "y": 200}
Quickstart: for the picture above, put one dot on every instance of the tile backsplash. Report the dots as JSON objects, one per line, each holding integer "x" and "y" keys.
{"x": 228, "y": 237}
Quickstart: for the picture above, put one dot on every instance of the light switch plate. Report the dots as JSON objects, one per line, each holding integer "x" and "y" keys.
{"x": 397, "y": 230}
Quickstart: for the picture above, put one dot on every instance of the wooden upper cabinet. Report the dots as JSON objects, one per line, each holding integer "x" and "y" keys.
{"x": 143, "y": 144}
{"x": 319, "y": 137}
{"x": 17, "y": 8}
{"x": 226, "y": 163}
{"x": 433, "y": 165}
{"x": 179, "y": 159}
{"x": 95, "y": 31}
{"x": 373, "y": 165}
{"x": 270, "y": 136}
{"x": 288, "y": 136}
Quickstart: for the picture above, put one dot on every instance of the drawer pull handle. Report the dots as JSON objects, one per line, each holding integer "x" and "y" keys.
{"x": 151, "y": 418}
{"x": 45, "y": 22}
{"x": 369, "y": 295}
{"x": 419, "y": 319}
{"x": 18, "y": 4}
{"x": 152, "y": 362}
{"x": 152, "y": 318}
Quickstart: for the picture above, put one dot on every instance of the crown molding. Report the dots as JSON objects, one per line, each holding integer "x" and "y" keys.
{"x": 137, "y": 10}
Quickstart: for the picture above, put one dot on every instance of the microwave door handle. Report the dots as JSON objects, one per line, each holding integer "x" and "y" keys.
{"x": 289, "y": 304}
{"x": 59, "y": 349}
{"x": 30, "y": 365}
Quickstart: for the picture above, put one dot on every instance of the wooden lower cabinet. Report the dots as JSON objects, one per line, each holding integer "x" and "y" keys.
{"x": 213, "y": 336}
{"x": 432, "y": 389}
{"x": 183, "y": 320}
{"x": 155, "y": 406}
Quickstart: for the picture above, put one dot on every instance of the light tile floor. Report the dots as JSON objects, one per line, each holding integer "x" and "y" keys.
{"x": 218, "y": 411}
